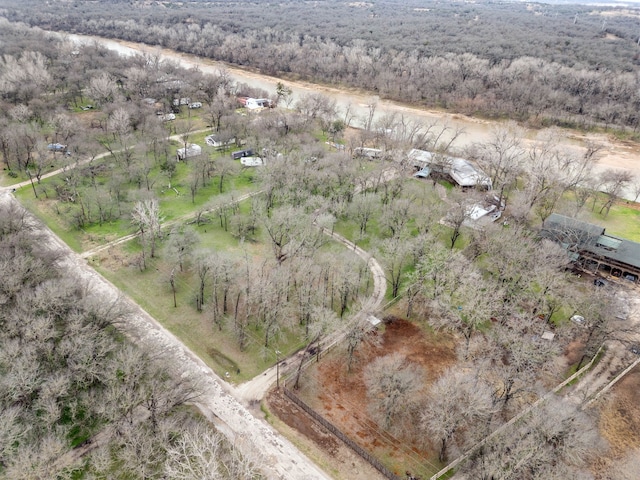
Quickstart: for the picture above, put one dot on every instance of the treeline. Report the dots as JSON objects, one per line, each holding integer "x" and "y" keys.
{"x": 567, "y": 65}
{"x": 67, "y": 379}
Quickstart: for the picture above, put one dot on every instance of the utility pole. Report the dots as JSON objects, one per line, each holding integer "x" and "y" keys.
{"x": 32, "y": 185}
{"x": 278, "y": 369}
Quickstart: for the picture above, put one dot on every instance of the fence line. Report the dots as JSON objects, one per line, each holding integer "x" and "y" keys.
{"x": 499, "y": 430}
{"x": 373, "y": 461}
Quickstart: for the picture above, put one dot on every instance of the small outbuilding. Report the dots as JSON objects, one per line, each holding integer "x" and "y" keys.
{"x": 251, "y": 161}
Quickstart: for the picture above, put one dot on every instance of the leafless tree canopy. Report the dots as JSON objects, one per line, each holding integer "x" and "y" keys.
{"x": 67, "y": 377}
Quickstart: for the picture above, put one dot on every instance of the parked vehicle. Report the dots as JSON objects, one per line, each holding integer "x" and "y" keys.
{"x": 578, "y": 319}
{"x": 242, "y": 153}
{"x": 56, "y": 147}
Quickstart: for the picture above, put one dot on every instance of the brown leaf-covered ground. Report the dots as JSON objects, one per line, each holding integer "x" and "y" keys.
{"x": 341, "y": 397}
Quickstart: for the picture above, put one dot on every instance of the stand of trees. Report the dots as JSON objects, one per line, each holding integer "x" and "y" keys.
{"x": 498, "y": 293}
{"x": 565, "y": 64}
{"x": 67, "y": 377}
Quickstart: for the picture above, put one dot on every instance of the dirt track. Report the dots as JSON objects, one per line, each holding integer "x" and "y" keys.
{"x": 276, "y": 456}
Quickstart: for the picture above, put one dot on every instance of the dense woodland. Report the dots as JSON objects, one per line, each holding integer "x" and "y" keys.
{"x": 546, "y": 64}
{"x": 67, "y": 378}
{"x": 497, "y": 289}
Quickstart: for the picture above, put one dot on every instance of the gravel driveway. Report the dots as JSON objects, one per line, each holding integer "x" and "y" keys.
{"x": 276, "y": 456}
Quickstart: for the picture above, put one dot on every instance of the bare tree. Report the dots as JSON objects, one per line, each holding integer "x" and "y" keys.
{"x": 396, "y": 254}
{"x": 392, "y": 385}
{"x": 512, "y": 357}
{"x": 457, "y": 401}
{"x": 553, "y": 441}
{"x": 103, "y": 89}
{"x": 614, "y": 182}
{"x": 180, "y": 245}
{"x": 502, "y": 157}
{"x": 145, "y": 216}
{"x": 551, "y": 171}
{"x": 315, "y": 106}
{"x": 223, "y": 277}
{"x": 292, "y": 233}
{"x": 224, "y": 167}
{"x": 195, "y": 454}
{"x": 356, "y": 334}
{"x": 466, "y": 304}
{"x": 322, "y": 322}
{"x": 458, "y": 213}
{"x": 635, "y": 186}
{"x": 362, "y": 209}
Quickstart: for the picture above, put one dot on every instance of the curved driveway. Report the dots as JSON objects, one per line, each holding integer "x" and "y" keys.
{"x": 278, "y": 458}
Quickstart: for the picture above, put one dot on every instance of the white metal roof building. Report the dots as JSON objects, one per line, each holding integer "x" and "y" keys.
{"x": 460, "y": 170}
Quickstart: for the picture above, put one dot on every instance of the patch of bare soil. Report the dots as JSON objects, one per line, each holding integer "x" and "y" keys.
{"x": 573, "y": 352}
{"x": 620, "y": 425}
{"x": 341, "y": 397}
{"x": 330, "y": 451}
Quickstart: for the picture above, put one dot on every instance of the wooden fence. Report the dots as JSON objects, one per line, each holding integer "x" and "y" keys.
{"x": 454, "y": 464}
{"x": 373, "y": 461}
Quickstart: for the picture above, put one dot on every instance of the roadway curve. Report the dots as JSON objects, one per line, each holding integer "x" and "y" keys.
{"x": 276, "y": 456}
{"x": 255, "y": 389}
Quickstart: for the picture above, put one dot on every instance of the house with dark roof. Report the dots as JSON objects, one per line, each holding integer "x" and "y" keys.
{"x": 591, "y": 248}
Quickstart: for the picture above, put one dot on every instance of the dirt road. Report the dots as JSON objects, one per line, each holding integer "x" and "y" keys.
{"x": 276, "y": 456}
{"x": 256, "y": 388}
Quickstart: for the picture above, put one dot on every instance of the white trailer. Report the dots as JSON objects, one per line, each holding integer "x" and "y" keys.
{"x": 192, "y": 150}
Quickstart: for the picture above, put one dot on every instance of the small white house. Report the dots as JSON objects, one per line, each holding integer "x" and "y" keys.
{"x": 192, "y": 150}
{"x": 217, "y": 141}
{"x": 256, "y": 103}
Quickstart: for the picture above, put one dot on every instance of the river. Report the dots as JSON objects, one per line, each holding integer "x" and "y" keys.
{"x": 614, "y": 153}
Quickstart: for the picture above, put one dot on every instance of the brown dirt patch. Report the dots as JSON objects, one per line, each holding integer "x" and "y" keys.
{"x": 573, "y": 352}
{"x": 620, "y": 423}
{"x": 332, "y": 453}
{"x": 341, "y": 397}
{"x": 293, "y": 416}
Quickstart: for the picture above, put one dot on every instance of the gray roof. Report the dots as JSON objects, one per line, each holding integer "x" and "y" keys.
{"x": 460, "y": 170}
{"x": 626, "y": 252}
{"x": 591, "y": 238}
{"x": 571, "y": 231}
